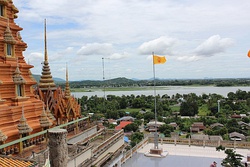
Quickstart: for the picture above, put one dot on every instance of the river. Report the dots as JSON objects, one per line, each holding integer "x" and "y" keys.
{"x": 169, "y": 90}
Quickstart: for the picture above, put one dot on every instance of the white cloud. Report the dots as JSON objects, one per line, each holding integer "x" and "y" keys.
{"x": 34, "y": 57}
{"x": 188, "y": 58}
{"x": 117, "y": 56}
{"x": 96, "y": 49}
{"x": 213, "y": 45}
{"x": 163, "y": 45}
{"x": 177, "y": 29}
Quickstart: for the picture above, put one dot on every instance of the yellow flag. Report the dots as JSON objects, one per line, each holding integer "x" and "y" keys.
{"x": 248, "y": 54}
{"x": 159, "y": 59}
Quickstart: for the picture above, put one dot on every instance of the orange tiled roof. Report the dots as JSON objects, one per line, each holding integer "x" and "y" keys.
{"x": 7, "y": 162}
{"x": 122, "y": 125}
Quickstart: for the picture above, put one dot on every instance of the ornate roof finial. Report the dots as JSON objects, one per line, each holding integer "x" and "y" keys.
{"x": 46, "y": 80}
{"x": 44, "y": 121}
{"x": 45, "y": 42}
{"x": 3, "y": 137}
{"x": 49, "y": 113}
{"x": 23, "y": 127}
{"x": 8, "y": 37}
{"x": 17, "y": 77}
{"x": 67, "y": 88}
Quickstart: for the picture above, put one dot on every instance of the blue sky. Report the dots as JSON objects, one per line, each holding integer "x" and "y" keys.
{"x": 200, "y": 39}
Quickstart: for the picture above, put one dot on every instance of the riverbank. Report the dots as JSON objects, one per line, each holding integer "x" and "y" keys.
{"x": 160, "y": 90}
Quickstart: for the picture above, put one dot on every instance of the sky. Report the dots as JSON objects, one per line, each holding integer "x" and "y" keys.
{"x": 105, "y": 39}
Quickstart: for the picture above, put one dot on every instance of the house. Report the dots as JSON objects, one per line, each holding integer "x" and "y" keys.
{"x": 152, "y": 126}
{"x": 216, "y": 125}
{"x": 122, "y": 125}
{"x": 197, "y": 127}
{"x": 244, "y": 125}
{"x": 126, "y": 118}
{"x": 236, "y": 136}
{"x": 174, "y": 125}
{"x": 235, "y": 116}
{"x": 112, "y": 121}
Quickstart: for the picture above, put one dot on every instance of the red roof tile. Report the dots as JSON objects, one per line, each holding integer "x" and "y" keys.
{"x": 122, "y": 125}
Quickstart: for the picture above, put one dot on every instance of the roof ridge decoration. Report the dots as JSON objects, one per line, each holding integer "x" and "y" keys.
{"x": 17, "y": 77}
{"x": 49, "y": 114}
{"x": 3, "y": 137}
{"x": 44, "y": 120}
{"x": 8, "y": 37}
{"x": 46, "y": 80}
{"x": 23, "y": 127}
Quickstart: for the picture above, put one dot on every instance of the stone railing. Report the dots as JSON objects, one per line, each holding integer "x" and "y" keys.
{"x": 203, "y": 143}
{"x": 132, "y": 151}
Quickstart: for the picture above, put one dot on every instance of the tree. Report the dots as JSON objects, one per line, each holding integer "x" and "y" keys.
{"x": 233, "y": 159}
{"x": 136, "y": 138}
{"x": 189, "y": 107}
{"x": 166, "y": 130}
{"x": 131, "y": 127}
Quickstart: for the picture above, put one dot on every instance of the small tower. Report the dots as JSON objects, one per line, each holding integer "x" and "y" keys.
{"x": 24, "y": 130}
{"x": 46, "y": 81}
{"x": 67, "y": 88}
{"x": 44, "y": 120}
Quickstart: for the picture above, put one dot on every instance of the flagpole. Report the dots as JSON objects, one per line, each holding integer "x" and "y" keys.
{"x": 155, "y": 135}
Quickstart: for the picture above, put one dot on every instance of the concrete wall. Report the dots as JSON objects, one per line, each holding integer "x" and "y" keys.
{"x": 112, "y": 149}
{"x": 78, "y": 159}
{"x": 87, "y": 133}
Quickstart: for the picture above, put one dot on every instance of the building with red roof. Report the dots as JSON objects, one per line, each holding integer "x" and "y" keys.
{"x": 122, "y": 125}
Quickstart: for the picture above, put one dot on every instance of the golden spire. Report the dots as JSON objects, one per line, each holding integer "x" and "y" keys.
{"x": 45, "y": 42}
{"x": 67, "y": 88}
{"x": 46, "y": 80}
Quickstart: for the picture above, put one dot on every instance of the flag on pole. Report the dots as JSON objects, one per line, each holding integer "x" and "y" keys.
{"x": 159, "y": 59}
{"x": 248, "y": 54}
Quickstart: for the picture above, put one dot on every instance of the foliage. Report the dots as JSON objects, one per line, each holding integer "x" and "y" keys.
{"x": 166, "y": 130}
{"x": 131, "y": 127}
{"x": 189, "y": 107}
{"x": 232, "y": 159}
{"x": 136, "y": 138}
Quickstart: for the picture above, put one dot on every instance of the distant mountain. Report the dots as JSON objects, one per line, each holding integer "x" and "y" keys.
{"x": 57, "y": 80}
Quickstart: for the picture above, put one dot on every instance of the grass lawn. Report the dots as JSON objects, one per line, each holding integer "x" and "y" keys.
{"x": 175, "y": 108}
{"x": 203, "y": 110}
